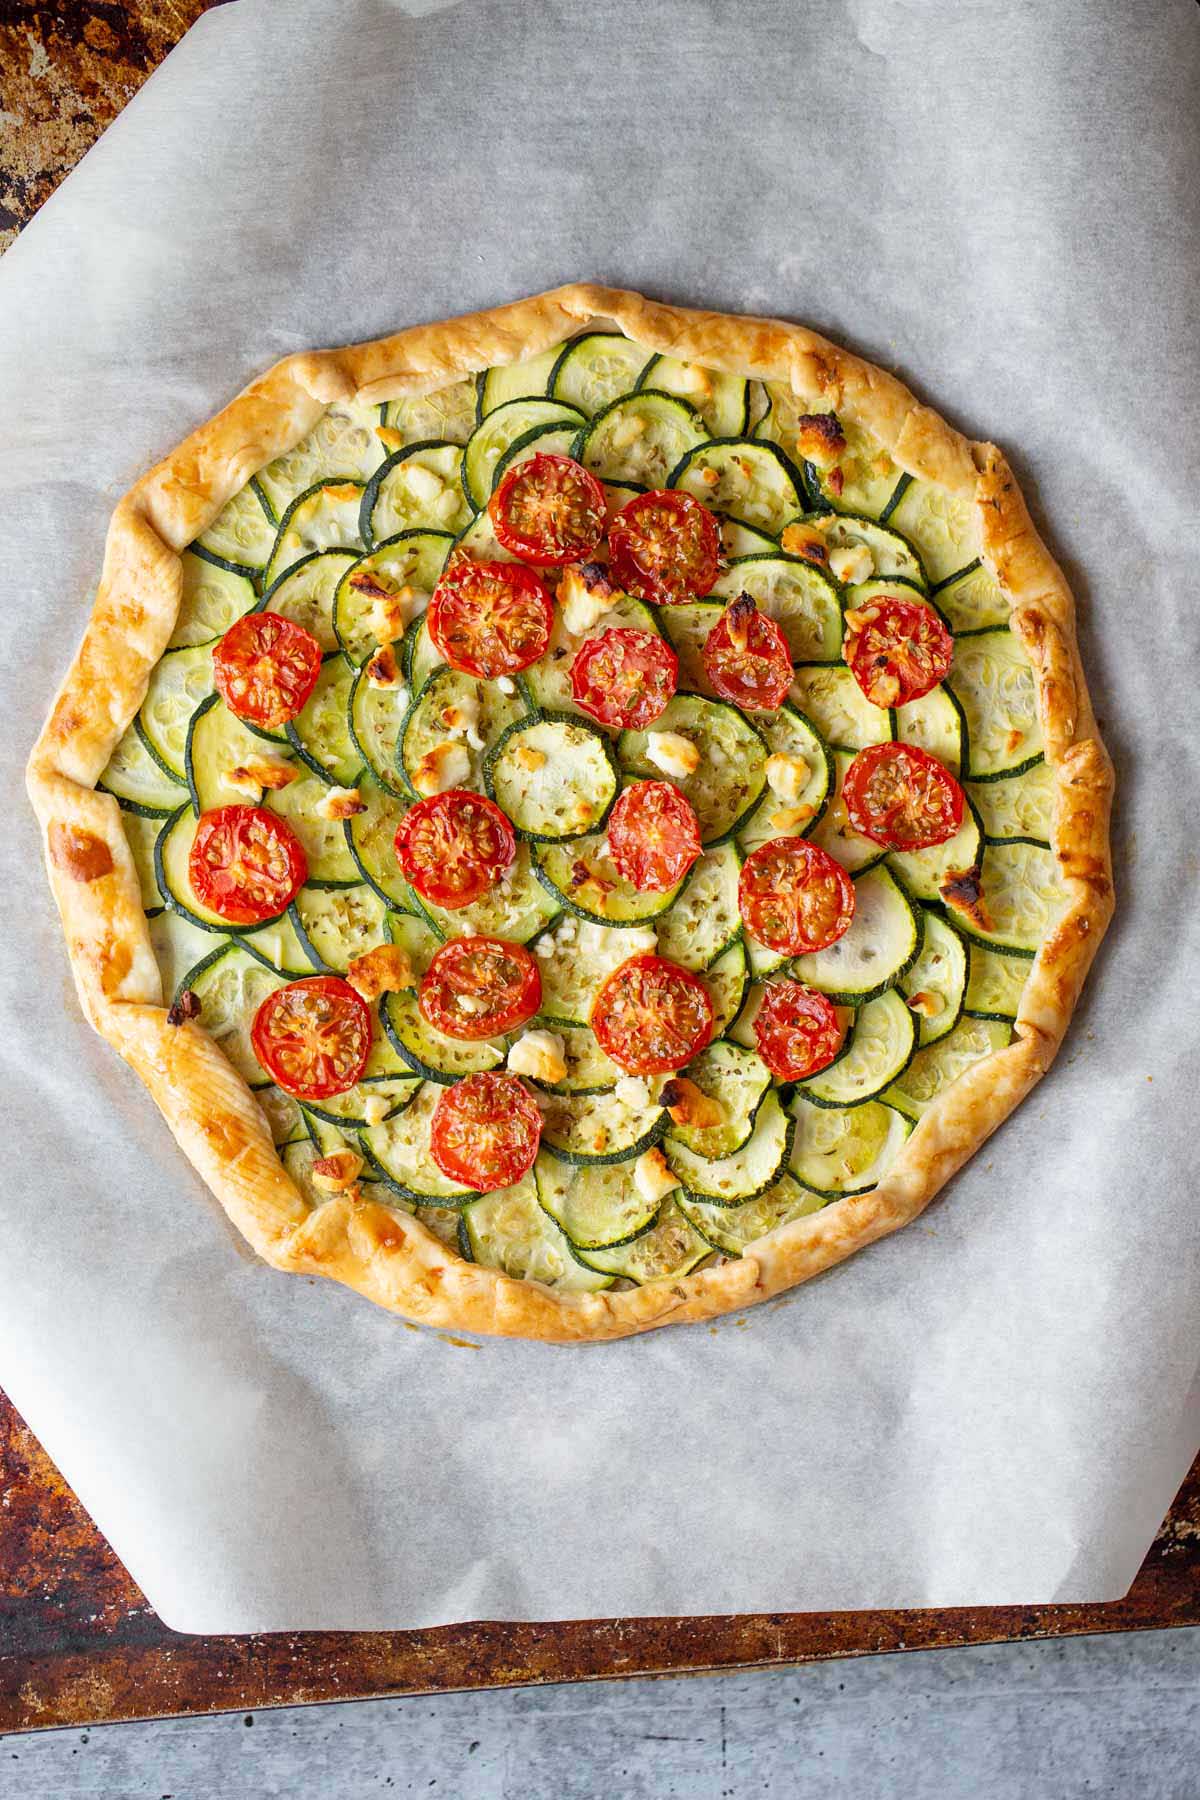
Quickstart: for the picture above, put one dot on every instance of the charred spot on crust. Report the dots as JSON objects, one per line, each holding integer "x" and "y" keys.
{"x": 80, "y": 854}
{"x": 186, "y": 1005}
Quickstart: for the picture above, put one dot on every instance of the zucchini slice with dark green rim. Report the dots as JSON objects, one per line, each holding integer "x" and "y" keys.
{"x": 336, "y": 925}
{"x": 575, "y": 957}
{"x": 595, "y": 1204}
{"x": 944, "y": 527}
{"x": 448, "y": 415}
{"x": 788, "y": 733}
{"x": 509, "y": 1231}
{"x": 138, "y": 781}
{"x": 726, "y": 982}
{"x": 278, "y": 946}
{"x": 868, "y": 479}
{"x": 581, "y": 876}
{"x": 992, "y": 680}
{"x": 553, "y": 775}
{"x": 730, "y": 778}
{"x": 933, "y": 723}
{"x": 549, "y": 679}
{"x": 499, "y": 431}
{"x": 750, "y": 1170}
{"x": 419, "y": 488}
{"x": 737, "y": 1078}
{"x": 840, "y": 1151}
{"x": 973, "y": 601}
{"x": 344, "y": 443}
{"x": 516, "y": 381}
{"x": 828, "y": 695}
{"x": 723, "y": 401}
{"x": 803, "y": 602}
{"x": 453, "y": 706}
{"x": 242, "y": 535}
{"x": 995, "y": 984}
{"x": 936, "y": 983}
{"x": 517, "y": 907}
{"x": 543, "y": 440}
{"x": 323, "y": 517}
{"x": 422, "y": 658}
{"x": 211, "y": 599}
{"x": 1019, "y": 807}
{"x": 411, "y": 559}
{"x": 178, "y": 945}
{"x": 885, "y": 1036}
{"x": 348, "y": 1112}
{"x": 320, "y": 734}
{"x": 599, "y": 1128}
{"x": 732, "y": 1229}
{"x": 371, "y": 839}
{"x": 704, "y": 920}
{"x": 884, "y": 940}
{"x": 594, "y": 370}
{"x": 171, "y": 852}
{"x": 923, "y": 871}
{"x": 1023, "y": 895}
{"x": 398, "y": 1151}
{"x": 749, "y": 479}
{"x": 141, "y": 834}
{"x": 376, "y": 717}
{"x": 640, "y": 438}
{"x": 589, "y": 1070}
{"x": 932, "y": 1070}
{"x": 834, "y": 833}
{"x": 304, "y": 593}
{"x": 892, "y": 556}
{"x": 231, "y": 987}
{"x": 686, "y": 628}
{"x": 180, "y": 681}
{"x": 424, "y": 1049}
{"x": 330, "y": 863}
{"x": 739, "y": 539}
{"x": 218, "y": 743}
{"x": 670, "y": 1248}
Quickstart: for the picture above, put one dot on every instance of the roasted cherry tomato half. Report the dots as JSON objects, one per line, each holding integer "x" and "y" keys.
{"x": 897, "y": 649}
{"x": 651, "y": 1017}
{"x": 246, "y": 864}
{"x": 485, "y": 1132}
{"x": 624, "y": 678}
{"x": 653, "y": 835}
{"x": 746, "y": 657}
{"x": 901, "y": 796}
{"x": 490, "y": 618}
{"x": 477, "y": 987}
{"x": 265, "y": 668}
{"x": 313, "y": 1037}
{"x": 664, "y": 547}
{"x": 454, "y": 847}
{"x": 793, "y": 896}
{"x": 549, "y": 510}
{"x": 798, "y": 1030}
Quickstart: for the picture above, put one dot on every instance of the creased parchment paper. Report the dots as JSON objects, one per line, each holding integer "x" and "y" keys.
{"x": 999, "y": 200}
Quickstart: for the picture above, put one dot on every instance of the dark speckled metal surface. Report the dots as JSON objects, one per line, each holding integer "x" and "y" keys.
{"x": 78, "y": 1643}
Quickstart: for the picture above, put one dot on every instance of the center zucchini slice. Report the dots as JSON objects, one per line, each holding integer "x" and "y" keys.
{"x": 751, "y": 480}
{"x": 398, "y": 1151}
{"x": 883, "y": 941}
{"x": 554, "y": 776}
{"x": 581, "y": 875}
{"x": 732, "y": 1229}
{"x": 640, "y": 438}
{"x": 728, "y": 781}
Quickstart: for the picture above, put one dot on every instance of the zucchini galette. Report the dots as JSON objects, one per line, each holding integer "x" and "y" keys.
{"x": 582, "y": 815}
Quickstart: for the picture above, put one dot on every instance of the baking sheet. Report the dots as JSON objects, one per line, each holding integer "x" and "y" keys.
{"x": 1000, "y": 202}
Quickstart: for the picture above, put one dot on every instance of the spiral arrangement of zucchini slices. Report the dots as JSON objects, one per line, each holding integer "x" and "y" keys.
{"x": 392, "y": 491}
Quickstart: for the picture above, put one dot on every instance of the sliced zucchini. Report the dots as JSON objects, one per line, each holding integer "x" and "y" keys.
{"x": 574, "y": 958}
{"x": 704, "y": 920}
{"x": 993, "y": 682}
{"x": 141, "y": 834}
{"x": 516, "y": 908}
{"x": 640, "y": 438}
{"x": 421, "y": 655}
{"x": 996, "y": 984}
{"x": 973, "y": 601}
{"x": 480, "y": 542}
{"x": 599, "y": 1128}
{"x": 884, "y": 940}
{"x": 344, "y": 443}
{"x": 323, "y": 517}
{"x": 278, "y": 946}
{"x": 231, "y": 987}
{"x": 499, "y": 431}
{"x": 218, "y": 744}
{"x": 554, "y": 776}
{"x": 178, "y": 684}
{"x": 726, "y": 983}
{"x": 284, "y": 1117}
{"x": 338, "y": 924}
{"x": 543, "y": 440}
{"x": 371, "y": 840}
{"x": 171, "y": 852}
{"x": 729, "y": 780}
{"x": 746, "y": 1172}
{"x": 943, "y": 526}
{"x": 669, "y": 1249}
{"x": 861, "y": 479}
{"x": 738, "y": 539}
{"x": 449, "y": 413}
{"x": 138, "y": 780}
{"x": 429, "y": 1052}
{"x": 211, "y": 599}
{"x": 517, "y": 381}
{"x": 738, "y": 1079}
{"x": 376, "y": 718}
{"x": 320, "y": 734}
{"x": 924, "y": 871}
{"x": 589, "y": 1070}
{"x": 799, "y": 597}
{"x": 891, "y": 554}
{"x": 323, "y": 840}
{"x": 412, "y": 559}
{"x": 749, "y": 479}
{"x": 787, "y": 732}
{"x": 686, "y": 628}
{"x": 934, "y": 723}
{"x": 835, "y": 834}
{"x": 347, "y": 1112}
{"x": 508, "y": 1230}
{"x": 732, "y": 1229}
{"x": 178, "y": 945}
{"x": 885, "y": 1036}
{"x": 595, "y": 1204}
{"x": 595, "y": 370}
{"x": 828, "y": 695}
{"x": 305, "y": 592}
{"x": 453, "y": 705}
{"x": 398, "y": 1151}
{"x": 935, "y": 984}
{"x": 418, "y": 488}
{"x": 1023, "y": 895}
{"x": 241, "y": 536}
{"x": 932, "y": 1070}
{"x": 549, "y": 679}
{"x": 848, "y": 1151}
{"x": 1020, "y": 807}
{"x": 581, "y": 876}
{"x": 723, "y": 401}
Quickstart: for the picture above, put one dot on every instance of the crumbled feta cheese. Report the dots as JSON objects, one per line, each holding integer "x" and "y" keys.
{"x": 673, "y": 753}
{"x": 506, "y": 684}
{"x": 786, "y": 818}
{"x": 334, "y": 1173}
{"x": 689, "y": 1105}
{"x": 424, "y": 485}
{"x": 851, "y": 563}
{"x": 538, "y": 1054}
{"x": 445, "y": 766}
{"x": 338, "y": 803}
{"x": 787, "y": 774}
{"x": 582, "y": 602}
{"x": 375, "y": 1109}
{"x": 632, "y": 1091}
{"x": 927, "y": 1004}
{"x": 462, "y": 720}
{"x": 694, "y": 380}
{"x": 529, "y": 758}
{"x": 466, "y": 1003}
{"x": 383, "y": 672}
{"x": 628, "y": 431}
{"x": 384, "y": 970}
{"x": 261, "y": 772}
{"x": 651, "y": 1176}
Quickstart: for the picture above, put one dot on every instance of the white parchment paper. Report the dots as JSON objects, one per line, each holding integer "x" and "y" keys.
{"x": 1000, "y": 200}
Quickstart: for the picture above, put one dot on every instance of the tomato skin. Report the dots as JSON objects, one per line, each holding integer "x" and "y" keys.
{"x": 246, "y": 864}
{"x": 549, "y": 510}
{"x": 501, "y": 980}
{"x": 490, "y": 618}
{"x": 664, "y": 547}
{"x": 797, "y": 1030}
{"x": 485, "y": 1131}
{"x": 746, "y": 658}
{"x": 454, "y": 847}
{"x": 651, "y": 1016}
{"x": 897, "y": 649}
{"x": 653, "y": 835}
{"x": 265, "y": 667}
{"x": 624, "y": 678}
{"x": 901, "y": 796}
{"x": 793, "y": 896}
{"x": 313, "y": 1037}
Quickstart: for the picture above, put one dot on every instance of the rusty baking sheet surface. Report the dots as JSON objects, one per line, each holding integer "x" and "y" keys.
{"x": 79, "y": 1644}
